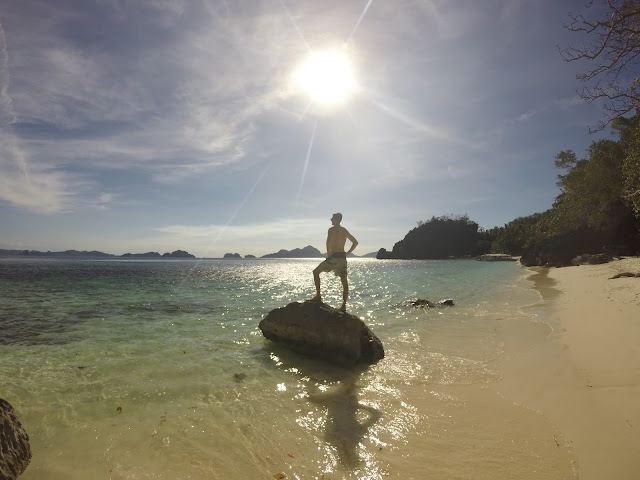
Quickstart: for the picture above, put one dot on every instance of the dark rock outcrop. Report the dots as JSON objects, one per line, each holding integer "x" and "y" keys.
{"x": 591, "y": 259}
{"x": 421, "y": 302}
{"x": 15, "y": 451}
{"x": 316, "y": 329}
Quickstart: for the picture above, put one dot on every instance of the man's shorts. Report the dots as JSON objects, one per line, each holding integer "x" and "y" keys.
{"x": 336, "y": 263}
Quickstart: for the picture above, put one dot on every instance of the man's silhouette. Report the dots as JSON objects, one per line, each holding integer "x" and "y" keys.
{"x": 336, "y": 261}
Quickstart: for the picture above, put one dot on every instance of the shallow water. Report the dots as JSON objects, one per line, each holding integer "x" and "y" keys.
{"x": 131, "y": 370}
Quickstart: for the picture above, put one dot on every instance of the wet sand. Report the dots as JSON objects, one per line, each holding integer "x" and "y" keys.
{"x": 585, "y": 378}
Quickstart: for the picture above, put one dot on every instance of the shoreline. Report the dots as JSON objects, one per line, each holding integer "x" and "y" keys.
{"x": 585, "y": 376}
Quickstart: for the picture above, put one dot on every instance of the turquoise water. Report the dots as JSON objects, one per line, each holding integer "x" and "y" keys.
{"x": 132, "y": 370}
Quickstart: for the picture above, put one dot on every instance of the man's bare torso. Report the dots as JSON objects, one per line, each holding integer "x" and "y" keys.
{"x": 336, "y": 239}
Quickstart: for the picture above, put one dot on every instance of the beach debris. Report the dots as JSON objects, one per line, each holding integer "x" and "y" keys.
{"x": 279, "y": 476}
{"x": 15, "y": 450}
{"x": 625, "y": 274}
{"x": 315, "y": 329}
{"x": 119, "y": 409}
{"x": 290, "y": 455}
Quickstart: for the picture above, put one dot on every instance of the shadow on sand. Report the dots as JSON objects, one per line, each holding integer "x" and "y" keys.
{"x": 348, "y": 421}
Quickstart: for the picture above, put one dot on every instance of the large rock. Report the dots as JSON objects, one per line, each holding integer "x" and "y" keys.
{"x": 316, "y": 329}
{"x": 591, "y": 259}
{"x": 15, "y": 451}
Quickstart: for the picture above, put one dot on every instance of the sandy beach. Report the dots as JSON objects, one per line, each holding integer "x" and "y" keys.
{"x": 586, "y": 379}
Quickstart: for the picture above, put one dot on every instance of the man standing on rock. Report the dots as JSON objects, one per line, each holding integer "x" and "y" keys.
{"x": 336, "y": 261}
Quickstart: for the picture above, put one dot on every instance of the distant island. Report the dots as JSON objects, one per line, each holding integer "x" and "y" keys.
{"x": 177, "y": 254}
{"x": 237, "y": 256}
{"x": 309, "y": 252}
{"x": 306, "y": 252}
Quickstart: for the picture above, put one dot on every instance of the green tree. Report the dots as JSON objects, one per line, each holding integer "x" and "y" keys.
{"x": 590, "y": 190}
{"x": 517, "y": 235}
{"x": 610, "y": 43}
{"x": 440, "y": 237}
{"x": 629, "y": 130}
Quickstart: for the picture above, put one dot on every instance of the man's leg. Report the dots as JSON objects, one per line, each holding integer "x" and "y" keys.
{"x": 345, "y": 293}
{"x": 316, "y": 280}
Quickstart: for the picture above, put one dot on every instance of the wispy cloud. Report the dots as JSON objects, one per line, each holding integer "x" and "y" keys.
{"x": 172, "y": 111}
{"x": 568, "y": 102}
{"x": 31, "y": 186}
{"x": 23, "y": 183}
{"x": 183, "y": 96}
{"x": 278, "y": 228}
{"x": 259, "y": 237}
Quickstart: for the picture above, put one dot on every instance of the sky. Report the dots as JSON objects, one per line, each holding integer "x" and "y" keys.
{"x": 129, "y": 126}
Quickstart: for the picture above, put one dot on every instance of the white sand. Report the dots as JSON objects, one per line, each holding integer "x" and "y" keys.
{"x": 586, "y": 379}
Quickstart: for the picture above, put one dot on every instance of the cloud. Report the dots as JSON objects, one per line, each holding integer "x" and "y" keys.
{"x": 569, "y": 102}
{"x": 24, "y": 184}
{"x": 258, "y": 237}
{"x": 273, "y": 229}
{"x": 167, "y": 111}
{"x": 33, "y": 187}
{"x": 183, "y": 93}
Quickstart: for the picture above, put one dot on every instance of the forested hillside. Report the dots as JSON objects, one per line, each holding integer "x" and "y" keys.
{"x": 597, "y": 210}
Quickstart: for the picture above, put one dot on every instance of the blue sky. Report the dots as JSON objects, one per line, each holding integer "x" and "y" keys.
{"x": 129, "y": 126}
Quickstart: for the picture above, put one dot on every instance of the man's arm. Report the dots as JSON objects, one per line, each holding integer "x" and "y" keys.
{"x": 354, "y": 242}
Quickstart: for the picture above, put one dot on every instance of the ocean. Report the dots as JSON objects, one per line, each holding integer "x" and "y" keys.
{"x": 157, "y": 370}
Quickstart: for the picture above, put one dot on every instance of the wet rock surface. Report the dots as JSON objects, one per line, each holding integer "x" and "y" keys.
{"x": 15, "y": 451}
{"x": 315, "y": 329}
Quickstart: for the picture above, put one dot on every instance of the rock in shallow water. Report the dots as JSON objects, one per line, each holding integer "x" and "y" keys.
{"x": 316, "y": 329}
{"x": 15, "y": 451}
{"x": 448, "y": 302}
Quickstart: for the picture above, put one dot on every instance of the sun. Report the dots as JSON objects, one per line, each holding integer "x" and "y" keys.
{"x": 326, "y": 77}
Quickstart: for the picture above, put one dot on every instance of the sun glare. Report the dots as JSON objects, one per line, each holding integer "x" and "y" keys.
{"x": 326, "y": 77}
